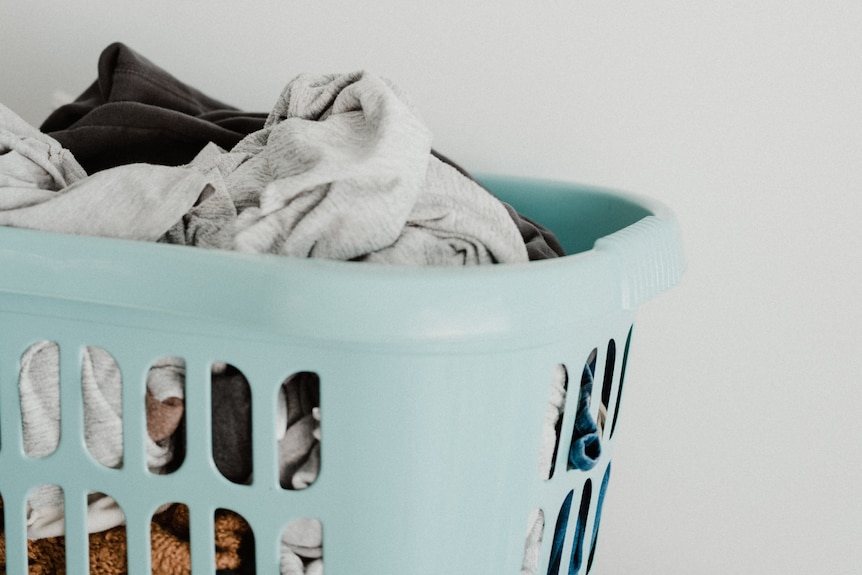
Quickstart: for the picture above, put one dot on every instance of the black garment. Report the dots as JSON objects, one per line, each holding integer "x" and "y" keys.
{"x": 137, "y": 112}
{"x": 232, "y": 423}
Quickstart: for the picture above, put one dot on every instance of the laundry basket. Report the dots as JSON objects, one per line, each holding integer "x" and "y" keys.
{"x": 434, "y": 386}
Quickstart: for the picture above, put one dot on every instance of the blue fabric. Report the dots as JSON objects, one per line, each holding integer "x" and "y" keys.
{"x": 586, "y": 446}
{"x": 577, "y": 535}
{"x": 598, "y": 517}
{"x": 580, "y": 530}
{"x": 560, "y": 536}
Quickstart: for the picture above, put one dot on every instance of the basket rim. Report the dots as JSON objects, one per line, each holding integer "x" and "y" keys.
{"x": 356, "y": 302}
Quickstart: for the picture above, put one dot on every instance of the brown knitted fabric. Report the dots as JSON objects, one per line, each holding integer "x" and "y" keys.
{"x": 46, "y": 558}
{"x": 230, "y": 532}
{"x": 169, "y": 540}
{"x": 169, "y": 533}
{"x": 108, "y": 552}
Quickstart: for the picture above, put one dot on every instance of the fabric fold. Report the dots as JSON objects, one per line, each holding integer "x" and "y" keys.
{"x": 137, "y": 112}
{"x": 344, "y": 170}
{"x": 586, "y": 446}
{"x": 345, "y": 157}
{"x": 31, "y": 161}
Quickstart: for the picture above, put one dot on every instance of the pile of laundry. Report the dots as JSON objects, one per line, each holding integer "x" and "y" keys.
{"x": 298, "y": 436}
{"x": 342, "y": 168}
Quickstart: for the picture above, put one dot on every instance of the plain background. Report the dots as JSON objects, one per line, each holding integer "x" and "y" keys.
{"x": 739, "y": 449}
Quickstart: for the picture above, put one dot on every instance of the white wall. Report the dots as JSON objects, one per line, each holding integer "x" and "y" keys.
{"x": 739, "y": 449}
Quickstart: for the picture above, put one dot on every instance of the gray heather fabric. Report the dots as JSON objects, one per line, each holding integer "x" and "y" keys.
{"x": 30, "y": 160}
{"x": 345, "y": 157}
{"x": 302, "y": 548}
{"x": 454, "y": 221}
{"x": 210, "y": 222}
{"x": 136, "y": 202}
{"x": 43, "y": 187}
{"x": 299, "y": 441}
{"x": 343, "y": 170}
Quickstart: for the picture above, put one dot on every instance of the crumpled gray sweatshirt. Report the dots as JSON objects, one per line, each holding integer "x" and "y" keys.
{"x": 343, "y": 170}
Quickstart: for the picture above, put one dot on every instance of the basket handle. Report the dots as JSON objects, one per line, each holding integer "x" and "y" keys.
{"x": 647, "y": 255}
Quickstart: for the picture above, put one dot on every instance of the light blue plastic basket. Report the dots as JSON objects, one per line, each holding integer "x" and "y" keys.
{"x": 434, "y": 384}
